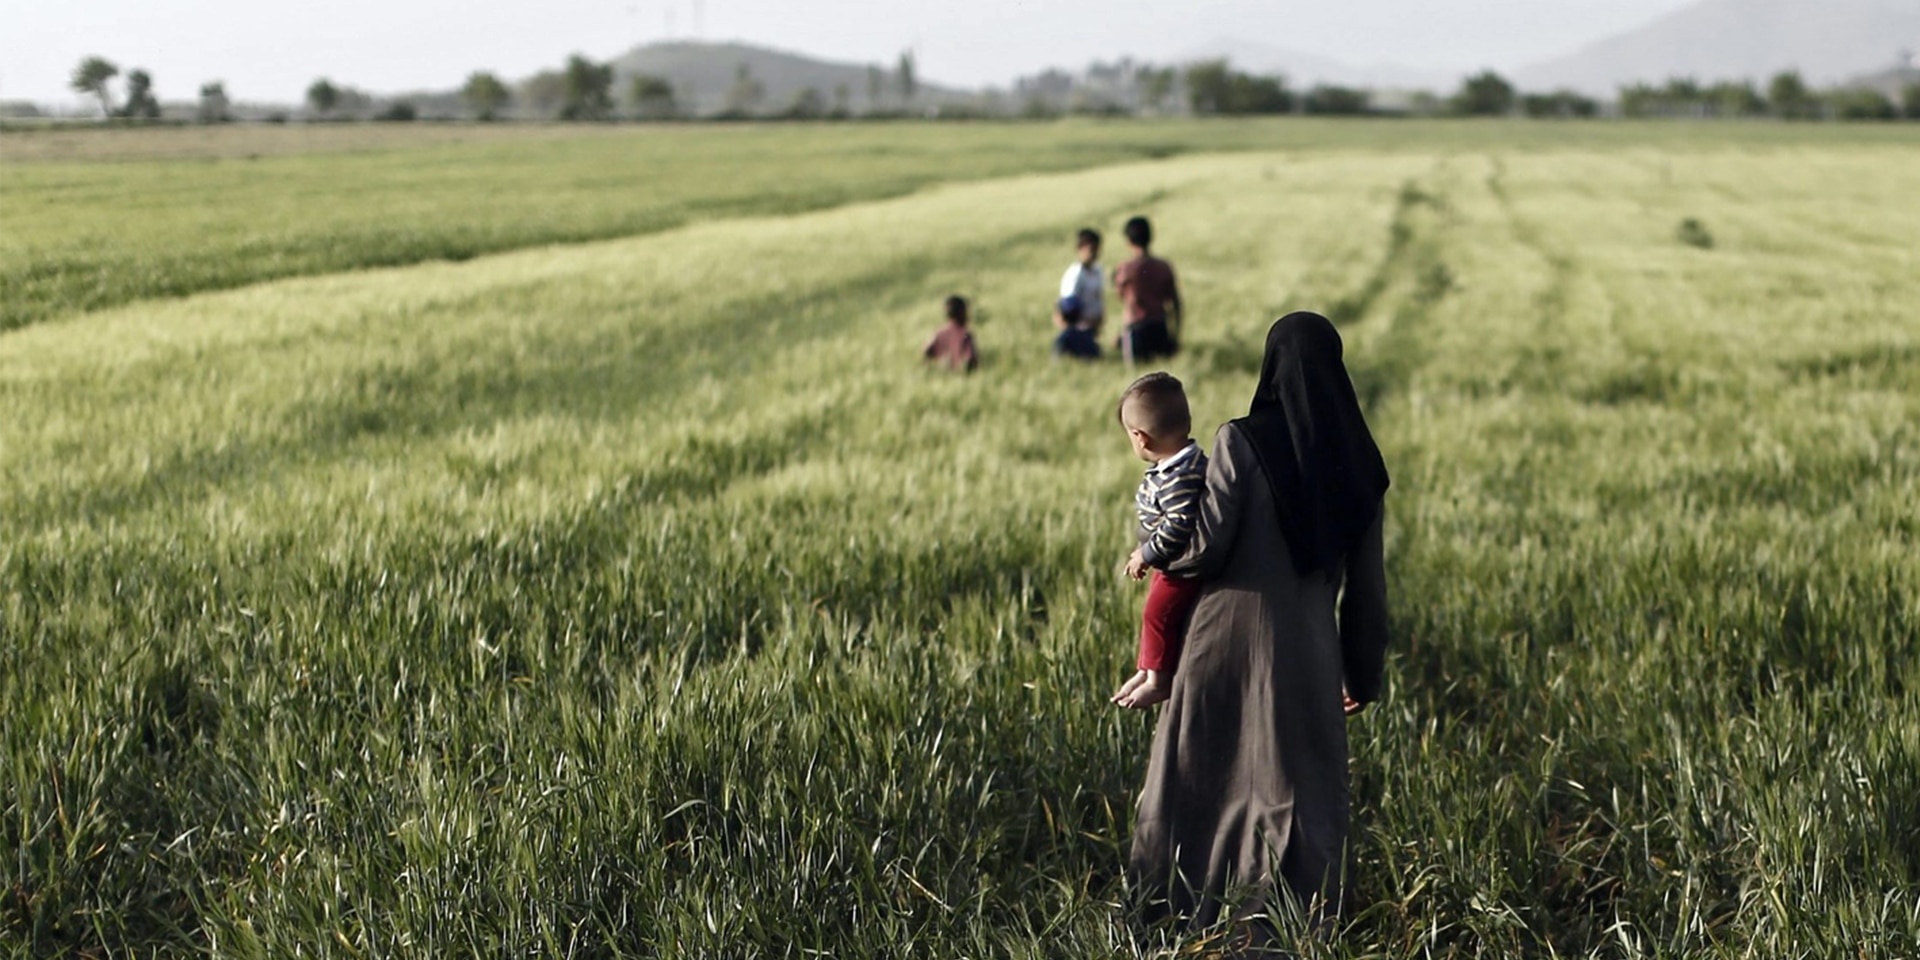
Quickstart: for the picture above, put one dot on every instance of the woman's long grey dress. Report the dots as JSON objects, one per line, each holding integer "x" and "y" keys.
{"x": 1247, "y": 783}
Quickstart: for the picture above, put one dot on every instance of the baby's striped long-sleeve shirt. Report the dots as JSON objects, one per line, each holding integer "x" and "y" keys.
{"x": 1168, "y": 504}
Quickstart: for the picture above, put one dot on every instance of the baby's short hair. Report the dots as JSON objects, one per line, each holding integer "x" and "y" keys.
{"x": 1157, "y": 405}
{"x": 956, "y": 307}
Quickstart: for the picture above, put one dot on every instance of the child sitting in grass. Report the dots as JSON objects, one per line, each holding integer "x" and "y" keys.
{"x": 952, "y": 345}
{"x": 1084, "y": 284}
{"x": 1075, "y": 339}
{"x": 1082, "y": 305}
{"x": 1154, "y": 412}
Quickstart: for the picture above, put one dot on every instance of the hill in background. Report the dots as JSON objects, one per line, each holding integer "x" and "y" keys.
{"x": 1828, "y": 42}
{"x": 703, "y": 73}
{"x": 1303, "y": 69}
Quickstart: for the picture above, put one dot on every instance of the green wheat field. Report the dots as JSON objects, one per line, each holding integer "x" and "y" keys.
{"x": 545, "y": 542}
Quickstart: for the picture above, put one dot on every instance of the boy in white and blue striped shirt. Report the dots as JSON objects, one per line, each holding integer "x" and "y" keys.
{"x": 1158, "y": 423}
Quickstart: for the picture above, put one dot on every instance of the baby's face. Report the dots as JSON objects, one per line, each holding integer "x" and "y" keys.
{"x": 1138, "y": 439}
{"x": 1089, "y": 252}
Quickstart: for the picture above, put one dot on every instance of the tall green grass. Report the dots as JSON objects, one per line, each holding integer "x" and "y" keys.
{"x": 644, "y": 598}
{"x": 93, "y": 221}
{"x": 80, "y": 234}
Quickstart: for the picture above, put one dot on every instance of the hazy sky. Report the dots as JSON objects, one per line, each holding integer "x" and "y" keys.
{"x": 271, "y": 51}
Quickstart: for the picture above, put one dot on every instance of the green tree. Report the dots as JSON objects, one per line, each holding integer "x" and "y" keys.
{"x": 1156, "y": 85}
{"x": 1860, "y": 103}
{"x": 1639, "y": 100}
{"x": 141, "y": 103}
{"x": 214, "y": 103}
{"x": 876, "y": 86}
{"x": 1735, "y": 98}
{"x": 1685, "y": 97}
{"x": 1789, "y": 98}
{"x": 1259, "y": 93}
{"x": 1910, "y": 101}
{"x": 1485, "y": 94}
{"x": 743, "y": 98}
{"x": 322, "y": 97}
{"x": 485, "y": 95}
{"x": 1560, "y": 103}
{"x": 905, "y": 77}
{"x": 652, "y": 96}
{"x": 1682, "y": 97}
{"x": 1683, "y": 90}
{"x": 1037, "y": 107}
{"x": 92, "y": 76}
{"x": 545, "y": 92}
{"x": 842, "y": 101}
{"x": 807, "y": 104}
{"x": 1336, "y": 101}
{"x": 588, "y": 90}
{"x": 1214, "y": 87}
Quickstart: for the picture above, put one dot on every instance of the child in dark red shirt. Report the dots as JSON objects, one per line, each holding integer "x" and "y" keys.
{"x": 1151, "y": 296}
{"x": 1154, "y": 412}
{"x": 952, "y": 345}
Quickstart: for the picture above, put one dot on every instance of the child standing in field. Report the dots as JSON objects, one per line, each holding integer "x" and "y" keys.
{"x": 1081, "y": 308}
{"x": 952, "y": 345}
{"x": 1158, "y": 423}
{"x": 1152, "y": 298}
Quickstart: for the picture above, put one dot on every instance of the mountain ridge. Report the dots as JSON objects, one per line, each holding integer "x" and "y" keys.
{"x": 1829, "y": 43}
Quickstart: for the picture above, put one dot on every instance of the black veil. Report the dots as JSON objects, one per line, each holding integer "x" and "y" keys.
{"x": 1307, "y": 430}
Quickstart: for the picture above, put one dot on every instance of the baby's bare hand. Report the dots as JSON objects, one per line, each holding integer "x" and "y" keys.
{"x": 1137, "y": 565}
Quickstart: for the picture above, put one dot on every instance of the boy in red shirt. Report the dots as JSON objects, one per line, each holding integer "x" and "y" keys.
{"x": 1151, "y": 296}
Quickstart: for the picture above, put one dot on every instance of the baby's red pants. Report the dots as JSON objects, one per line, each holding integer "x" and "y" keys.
{"x": 1163, "y": 624}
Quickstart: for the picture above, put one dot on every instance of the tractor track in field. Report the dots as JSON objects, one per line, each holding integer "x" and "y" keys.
{"x": 1541, "y": 361}
{"x": 1412, "y": 263}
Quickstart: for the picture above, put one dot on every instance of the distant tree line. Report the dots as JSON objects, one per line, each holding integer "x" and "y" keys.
{"x": 1787, "y": 97}
{"x": 583, "y": 90}
{"x": 1214, "y": 88}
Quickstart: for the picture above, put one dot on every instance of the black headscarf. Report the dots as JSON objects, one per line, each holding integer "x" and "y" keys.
{"x": 1313, "y": 443}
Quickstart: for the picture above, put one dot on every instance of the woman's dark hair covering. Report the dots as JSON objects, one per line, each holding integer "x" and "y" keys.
{"x": 1312, "y": 441}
